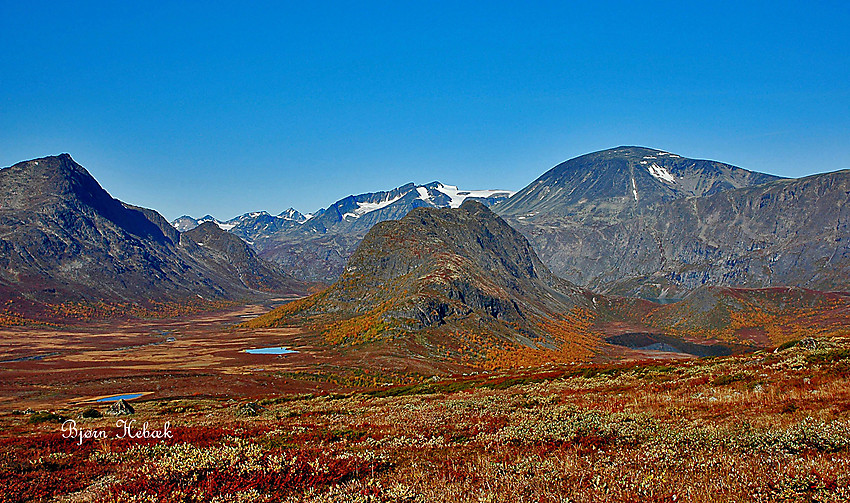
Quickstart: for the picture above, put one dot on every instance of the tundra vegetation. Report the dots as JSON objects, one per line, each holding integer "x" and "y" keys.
{"x": 772, "y": 425}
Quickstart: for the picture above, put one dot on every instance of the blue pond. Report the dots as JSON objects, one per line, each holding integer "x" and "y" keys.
{"x": 270, "y": 351}
{"x": 115, "y": 398}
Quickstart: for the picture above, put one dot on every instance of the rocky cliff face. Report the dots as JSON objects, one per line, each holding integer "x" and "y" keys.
{"x": 63, "y": 237}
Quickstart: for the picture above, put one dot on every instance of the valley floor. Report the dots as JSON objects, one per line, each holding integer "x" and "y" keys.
{"x": 193, "y": 356}
{"x": 765, "y": 426}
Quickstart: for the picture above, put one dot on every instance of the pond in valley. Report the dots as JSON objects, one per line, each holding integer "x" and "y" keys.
{"x": 666, "y": 343}
{"x": 270, "y": 351}
{"x": 115, "y": 398}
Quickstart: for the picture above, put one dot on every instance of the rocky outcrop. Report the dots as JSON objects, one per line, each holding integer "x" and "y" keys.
{"x": 120, "y": 408}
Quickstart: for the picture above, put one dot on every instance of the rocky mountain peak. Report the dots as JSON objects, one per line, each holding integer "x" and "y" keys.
{"x": 447, "y": 270}
{"x": 64, "y": 237}
{"x": 471, "y": 231}
{"x": 41, "y": 180}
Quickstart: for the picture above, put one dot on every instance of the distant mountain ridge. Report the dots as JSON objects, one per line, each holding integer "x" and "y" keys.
{"x": 316, "y": 246}
{"x": 259, "y": 221}
{"x": 63, "y": 237}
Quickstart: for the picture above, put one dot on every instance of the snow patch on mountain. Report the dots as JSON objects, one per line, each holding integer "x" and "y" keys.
{"x": 293, "y": 215}
{"x": 423, "y": 194}
{"x": 661, "y": 173}
{"x": 458, "y": 196}
{"x": 367, "y": 207}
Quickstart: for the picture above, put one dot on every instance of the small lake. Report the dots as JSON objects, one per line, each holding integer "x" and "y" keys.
{"x": 270, "y": 351}
{"x": 115, "y": 398}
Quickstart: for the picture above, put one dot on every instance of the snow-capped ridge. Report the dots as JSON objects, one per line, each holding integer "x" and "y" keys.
{"x": 433, "y": 194}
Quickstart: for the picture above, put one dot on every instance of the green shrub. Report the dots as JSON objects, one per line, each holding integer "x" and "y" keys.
{"x": 788, "y": 345}
{"x": 45, "y": 417}
{"x": 728, "y": 379}
{"x": 829, "y": 356}
{"x": 91, "y": 413}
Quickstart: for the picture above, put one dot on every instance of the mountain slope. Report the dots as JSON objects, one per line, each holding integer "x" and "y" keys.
{"x": 443, "y": 278}
{"x": 232, "y": 257}
{"x": 62, "y": 237}
{"x": 784, "y": 233}
{"x": 637, "y": 221}
{"x": 765, "y": 317}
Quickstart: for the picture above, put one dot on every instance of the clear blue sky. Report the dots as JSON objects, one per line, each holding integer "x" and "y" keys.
{"x": 224, "y": 108}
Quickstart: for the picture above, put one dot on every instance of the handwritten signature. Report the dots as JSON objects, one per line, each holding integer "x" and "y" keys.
{"x": 129, "y": 429}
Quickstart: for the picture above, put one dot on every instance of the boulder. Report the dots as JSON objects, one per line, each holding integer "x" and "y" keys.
{"x": 120, "y": 408}
{"x": 250, "y": 409}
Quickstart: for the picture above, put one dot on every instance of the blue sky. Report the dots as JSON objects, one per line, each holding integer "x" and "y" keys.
{"x": 224, "y": 108}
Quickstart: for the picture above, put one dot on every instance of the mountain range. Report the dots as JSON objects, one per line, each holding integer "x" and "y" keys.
{"x": 434, "y": 270}
{"x": 249, "y": 224}
{"x": 629, "y": 221}
{"x": 63, "y": 237}
{"x": 316, "y": 246}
